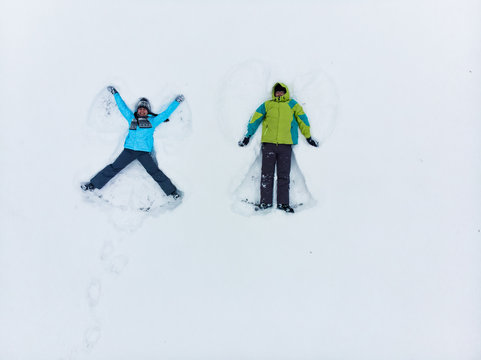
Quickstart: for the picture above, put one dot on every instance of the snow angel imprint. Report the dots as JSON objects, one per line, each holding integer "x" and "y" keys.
{"x": 281, "y": 117}
{"x": 138, "y": 144}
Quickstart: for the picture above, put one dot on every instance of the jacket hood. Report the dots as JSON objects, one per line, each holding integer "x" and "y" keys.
{"x": 285, "y": 97}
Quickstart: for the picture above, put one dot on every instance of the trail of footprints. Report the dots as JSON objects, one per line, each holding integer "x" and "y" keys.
{"x": 112, "y": 264}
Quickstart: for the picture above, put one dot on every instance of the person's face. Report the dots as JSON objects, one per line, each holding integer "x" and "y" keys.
{"x": 141, "y": 111}
{"x": 279, "y": 93}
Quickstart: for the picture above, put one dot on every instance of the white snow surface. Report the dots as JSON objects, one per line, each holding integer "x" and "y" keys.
{"x": 384, "y": 261}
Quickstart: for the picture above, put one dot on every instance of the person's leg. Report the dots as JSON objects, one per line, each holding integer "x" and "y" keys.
{"x": 154, "y": 171}
{"x": 107, "y": 173}
{"x": 283, "y": 173}
{"x": 267, "y": 174}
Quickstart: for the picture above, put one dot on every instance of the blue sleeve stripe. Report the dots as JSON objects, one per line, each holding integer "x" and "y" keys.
{"x": 294, "y": 131}
{"x": 262, "y": 109}
{"x": 292, "y": 103}
{"x": 304, "y": 119}
{"x": 252, "y": 127}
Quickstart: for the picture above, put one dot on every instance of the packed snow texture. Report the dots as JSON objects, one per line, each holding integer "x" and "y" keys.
{"x": 383, "y": 262}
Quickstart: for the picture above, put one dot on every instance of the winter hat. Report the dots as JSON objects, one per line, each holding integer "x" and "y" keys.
{"x": 279, "y": 87}
{"x": 143, "y": 102}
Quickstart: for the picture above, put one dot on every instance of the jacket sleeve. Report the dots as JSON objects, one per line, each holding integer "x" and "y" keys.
{"x": 302, "y": 120}
{"x": 256, "y": 120}
{"x": 156, "y": 121}
{"x": 123, "y": 108}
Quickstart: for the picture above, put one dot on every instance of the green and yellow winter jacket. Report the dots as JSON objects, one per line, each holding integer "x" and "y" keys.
{"x": 281, "y": 118}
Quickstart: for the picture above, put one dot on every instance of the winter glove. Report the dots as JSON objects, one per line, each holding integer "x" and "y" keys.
{"x": 180, "y": 98}
{"x": 313, "y": 142}
{"x": 112, "y": 90}
{"x": 244, "y": 141}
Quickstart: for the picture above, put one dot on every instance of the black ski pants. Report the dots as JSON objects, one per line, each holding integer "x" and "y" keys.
{"x": 124, "y": 159}
{"x": 272, "y": 155}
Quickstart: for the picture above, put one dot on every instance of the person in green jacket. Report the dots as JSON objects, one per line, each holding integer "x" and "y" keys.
{"x": 281, "y": 119}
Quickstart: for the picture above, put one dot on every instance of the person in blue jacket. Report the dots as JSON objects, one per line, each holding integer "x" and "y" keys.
{"x": 138, "y": 144}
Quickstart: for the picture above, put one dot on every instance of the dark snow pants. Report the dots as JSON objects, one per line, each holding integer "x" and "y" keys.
{"x": 124, "y": 159}
{"x": 273, "y": 154}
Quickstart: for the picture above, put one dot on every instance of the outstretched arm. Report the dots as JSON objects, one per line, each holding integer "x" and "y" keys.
{"x": 123, "y": 108}
{"x": 254, "y": 123}
{"x": 156, "y": 121}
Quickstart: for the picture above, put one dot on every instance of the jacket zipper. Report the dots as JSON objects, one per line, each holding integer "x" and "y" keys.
{"x": 278, "y": 122}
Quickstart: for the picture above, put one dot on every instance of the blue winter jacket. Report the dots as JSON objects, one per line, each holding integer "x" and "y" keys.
{"x": 142, "y": 139}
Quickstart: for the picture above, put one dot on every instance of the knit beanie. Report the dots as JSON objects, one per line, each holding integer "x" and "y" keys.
{"x": 143, "y": 102}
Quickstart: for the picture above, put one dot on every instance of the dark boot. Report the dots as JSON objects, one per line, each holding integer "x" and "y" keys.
{"x": 87, "y": 186}
{"x": 285, "y": 207}
{"x": 263, "y": 206}
{"x": 176, "y": 194}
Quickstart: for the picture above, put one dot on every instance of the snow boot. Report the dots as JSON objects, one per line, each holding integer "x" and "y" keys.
{"x": 176, "y": 194}
{"x": 285, "y": 207}
{"x": 263, "y": 206}
{"x": 87, "y": 186}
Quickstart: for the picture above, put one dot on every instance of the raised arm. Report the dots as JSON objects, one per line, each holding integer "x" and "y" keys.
{"x": 156, "y": 121}
{"x": 123, "y": 108}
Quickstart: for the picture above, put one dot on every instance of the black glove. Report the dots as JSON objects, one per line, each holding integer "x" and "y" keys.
{"x": 180, "y": 98}
{"x": 244, "y": 141}
{"x": 112, "y": 90}
{"x": 313, "y": 142}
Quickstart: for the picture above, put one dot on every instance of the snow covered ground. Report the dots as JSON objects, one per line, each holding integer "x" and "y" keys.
{"x": 385, "y": 263}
